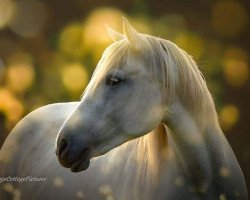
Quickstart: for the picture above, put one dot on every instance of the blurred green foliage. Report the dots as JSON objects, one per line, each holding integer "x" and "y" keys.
{"x": 49, "y": 49}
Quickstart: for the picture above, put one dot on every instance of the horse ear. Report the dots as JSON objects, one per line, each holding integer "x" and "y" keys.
{"x": 115, "y": 36}
{"x": 132, "y": 35}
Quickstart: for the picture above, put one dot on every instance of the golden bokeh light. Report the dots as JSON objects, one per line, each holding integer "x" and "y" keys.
{"x": 224, "y": 172}
{"x": 19, "y": 77}
{"x": 235, "y": 67}
{"x": 80, "y": 195}
{"x": 58, "y": 182}
{"x": 5, "y": 12}
{"x": 70, "y": 41}
{"x": 74, "y": 77}
{"x": 8, "y": 187}
{"x": 236, "y": 53}
{"x": 28, "y": 18}
{"x": 236, "y": 72}
{"x": 95, "y": 36}
{"x": 229, "y": 116}
{"x": 10, "y": 106}
{"x": 229, "y": 18}
{"x": 105, "y": 190}
{"x": 222, "y": 197}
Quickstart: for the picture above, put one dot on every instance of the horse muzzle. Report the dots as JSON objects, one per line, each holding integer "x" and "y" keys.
{"x": 71, "y": 156}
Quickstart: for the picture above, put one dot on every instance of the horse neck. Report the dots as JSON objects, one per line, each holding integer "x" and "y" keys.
{"x": 189, "y": 143}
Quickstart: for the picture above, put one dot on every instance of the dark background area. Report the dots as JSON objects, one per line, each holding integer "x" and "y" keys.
{"x": 49, "y": 49}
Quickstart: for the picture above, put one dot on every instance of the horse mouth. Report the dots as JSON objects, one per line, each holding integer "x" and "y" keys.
{"x": 82, "y": 163}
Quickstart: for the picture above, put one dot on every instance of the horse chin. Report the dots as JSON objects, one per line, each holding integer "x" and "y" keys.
{"x": 80, "y": 166}
{"x": 82, "y": 163}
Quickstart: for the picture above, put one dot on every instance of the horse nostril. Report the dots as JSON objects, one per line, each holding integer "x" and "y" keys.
{"x": 62, "y": 148}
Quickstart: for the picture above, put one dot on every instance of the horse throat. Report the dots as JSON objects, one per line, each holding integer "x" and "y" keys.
{"x": 188, "y": 143}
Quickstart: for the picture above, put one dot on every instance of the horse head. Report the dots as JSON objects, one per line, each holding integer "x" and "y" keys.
{"x": 123, "y": 101}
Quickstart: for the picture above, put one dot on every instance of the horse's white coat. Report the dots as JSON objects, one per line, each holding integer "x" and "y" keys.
{"x": 181, "y": 160}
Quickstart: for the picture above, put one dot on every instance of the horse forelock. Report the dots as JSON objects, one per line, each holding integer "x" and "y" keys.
{"x": 113, "y": 56}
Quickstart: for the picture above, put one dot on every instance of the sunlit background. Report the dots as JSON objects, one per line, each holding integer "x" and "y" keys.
{"x": 49, "y": 49}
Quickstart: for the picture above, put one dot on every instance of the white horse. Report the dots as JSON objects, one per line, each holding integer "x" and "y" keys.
{"x": 146, "y": 128}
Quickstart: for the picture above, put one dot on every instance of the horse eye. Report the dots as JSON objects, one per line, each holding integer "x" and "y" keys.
{"x": 112, "y": 81}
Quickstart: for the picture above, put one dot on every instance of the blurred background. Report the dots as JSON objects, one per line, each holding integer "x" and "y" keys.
{"x": 49, "y": 49}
